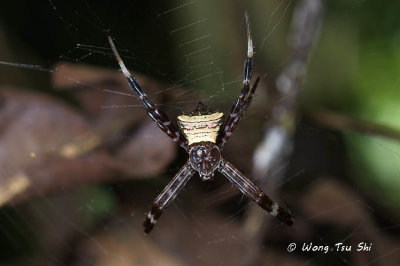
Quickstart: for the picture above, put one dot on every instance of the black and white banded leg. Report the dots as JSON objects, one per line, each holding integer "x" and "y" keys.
{"x": 237, "y": 116}
{"x": 156, "y": 114}
{"x": 167, "y": 196}
{"x": 245, "y": 96}
{"x": 254, "y": 193}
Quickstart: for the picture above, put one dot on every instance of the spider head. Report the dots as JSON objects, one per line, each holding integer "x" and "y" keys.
{"x": 205, "y": 157}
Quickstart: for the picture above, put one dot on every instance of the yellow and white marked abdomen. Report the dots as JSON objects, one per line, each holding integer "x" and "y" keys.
{"x": 198, "y": 128}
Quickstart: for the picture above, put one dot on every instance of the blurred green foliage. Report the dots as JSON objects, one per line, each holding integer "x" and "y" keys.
{"x": 356, "y": 70}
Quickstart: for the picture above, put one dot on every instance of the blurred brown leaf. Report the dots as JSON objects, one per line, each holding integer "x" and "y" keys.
{"x": 32, "y": 126}
{"x": 105, "y": 95}
{"x": 147, "y": 152}
{"x": 48, "y": 146}
{"x": 329, "y": 201}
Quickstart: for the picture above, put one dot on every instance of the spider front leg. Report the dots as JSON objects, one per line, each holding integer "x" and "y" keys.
{"x": 168, "y": 194}
{"x": 246, "y": 95}
{"x": 156, "y": 114}
{"x": 253, "y": 192}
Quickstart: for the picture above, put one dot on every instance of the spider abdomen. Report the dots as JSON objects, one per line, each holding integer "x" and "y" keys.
{"x": 200, "y": 128}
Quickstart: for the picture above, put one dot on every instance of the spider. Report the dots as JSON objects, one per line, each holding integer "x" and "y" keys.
{"x": 199, "y": 134}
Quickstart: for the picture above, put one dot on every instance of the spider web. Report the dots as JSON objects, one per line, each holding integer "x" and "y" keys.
{"x": 197, "y": 48}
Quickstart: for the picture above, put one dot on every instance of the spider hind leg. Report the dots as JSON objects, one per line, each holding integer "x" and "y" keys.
{"x": 249, "y": 189}
{"x": 168, "y": 194}
{"x": 283, "y": 214}
{"x": 151, "y": 218}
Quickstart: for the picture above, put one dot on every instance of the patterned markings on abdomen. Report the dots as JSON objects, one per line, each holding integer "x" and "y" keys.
{"x": 200, "y": 128}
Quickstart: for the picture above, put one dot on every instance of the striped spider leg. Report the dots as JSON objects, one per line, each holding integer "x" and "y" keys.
{"x": 245, "y": 96}
{"x": 238, "y": 108}
{"x": 254, "y": 193}
{"x": 158, "y": 116}
{"x": 167, "y": 196}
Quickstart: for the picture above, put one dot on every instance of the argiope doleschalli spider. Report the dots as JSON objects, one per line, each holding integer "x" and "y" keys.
{"x": 202, "y": 139}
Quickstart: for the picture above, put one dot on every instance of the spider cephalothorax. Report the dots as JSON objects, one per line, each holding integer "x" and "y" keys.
{"x": 203, "y": 138}
{"x": 205, "y": 157}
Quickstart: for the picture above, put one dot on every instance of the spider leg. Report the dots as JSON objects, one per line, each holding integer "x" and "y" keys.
{"x": 245, "y": 96}
{"x": 247, "y": 102}
{"x": 156, "y": 114}
{"x": 235, "y": 117}
{"x": 254, "y": 193}
{"x": 167, "y": 196}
